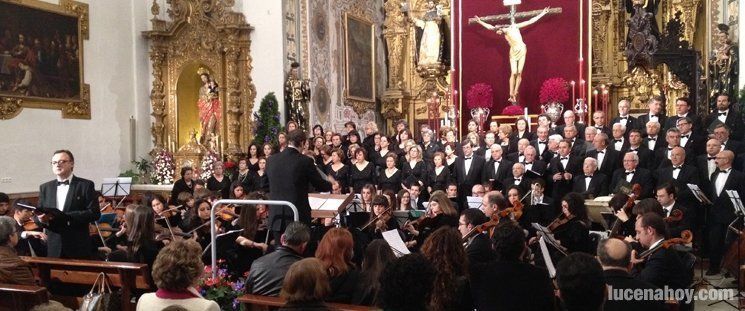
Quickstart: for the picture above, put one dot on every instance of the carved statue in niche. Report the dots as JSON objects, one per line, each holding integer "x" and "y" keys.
{"x": 297, "y": 96}
{"x": 431, "y": 35}
{"x": 723, "y": 66}
{"x": 643, "y": 34}
{"x": 210, "y": 108}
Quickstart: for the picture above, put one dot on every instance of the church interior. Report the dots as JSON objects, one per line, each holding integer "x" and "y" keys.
{"x": 420, "y": 154}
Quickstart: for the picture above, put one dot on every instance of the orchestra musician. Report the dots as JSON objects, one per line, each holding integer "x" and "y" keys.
{"x": 250, "y": 242}
{"x": 572, "y": 227}
{"x": 186, "y": 183}
{"x": 31, "y": 237}
{"x": 478, "y": 246}
{"x": 141, "y": 245}
{"x": 75, "y": 200}
{"x": 381, "y": 218}
{"x": 439, "y": 213}
{"x": 667, "y": 196}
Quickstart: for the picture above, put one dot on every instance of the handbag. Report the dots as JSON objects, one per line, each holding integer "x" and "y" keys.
{"x": 101, "y": 297}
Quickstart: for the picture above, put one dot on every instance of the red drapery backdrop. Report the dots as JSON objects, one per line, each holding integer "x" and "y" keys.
{"x": 553, "y": 51}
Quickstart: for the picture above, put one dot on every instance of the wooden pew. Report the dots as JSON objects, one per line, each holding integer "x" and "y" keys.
{"x": 21, "y": 297}
{"x": 127, "y": 276}
{"x": 257, "y": 302}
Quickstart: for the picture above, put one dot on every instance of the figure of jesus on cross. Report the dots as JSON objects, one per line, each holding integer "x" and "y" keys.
{"x": 511, "y": 32}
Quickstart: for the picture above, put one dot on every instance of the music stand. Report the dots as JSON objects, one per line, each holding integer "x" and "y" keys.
{"x": 544, "y": 232}
{"x": 116, "y": 187}
{"x": 699, "y": 194}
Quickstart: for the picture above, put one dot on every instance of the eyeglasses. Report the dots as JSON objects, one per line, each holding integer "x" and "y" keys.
{"x": 60, "y": 162}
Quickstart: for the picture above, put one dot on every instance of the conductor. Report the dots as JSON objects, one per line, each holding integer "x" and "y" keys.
{"x": 70, "y": 203}
{"x": 289, "y": 174}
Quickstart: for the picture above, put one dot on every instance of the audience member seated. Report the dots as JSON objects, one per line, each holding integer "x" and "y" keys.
{"x": 445, "y": 251}
{"x": 335, "y": 252}
{"x": 267, "y": 273}
{"x": 407, "y": 283}
{"x": 615, "y": 257}
{"x": 305, "y": 286}
{"x": 521, "y": 286}
{"x": 176, "y": 271}
{"x": 377, "y": 256}
{"x": 13, "y": 270}
{"x": 582, "y": 287}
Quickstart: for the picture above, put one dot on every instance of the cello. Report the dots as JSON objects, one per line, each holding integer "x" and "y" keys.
{"x": 615, "y": 231}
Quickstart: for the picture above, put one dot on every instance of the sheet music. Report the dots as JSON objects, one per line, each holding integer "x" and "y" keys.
{"x": 699, "y": 194}
{"x": 315, "y": 203}
{"x": 734, "y": 196}
{"x": 394, "y": 241}
{"x": 474, "y": 202}
{"x": 547, "y": 258}
{"x": 544, "y": 232}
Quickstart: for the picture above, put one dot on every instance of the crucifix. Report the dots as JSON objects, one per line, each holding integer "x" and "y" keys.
{"x": 511, "y": 33}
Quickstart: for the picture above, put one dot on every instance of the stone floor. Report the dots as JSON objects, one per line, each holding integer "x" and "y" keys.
{"x": 716, "y": 281}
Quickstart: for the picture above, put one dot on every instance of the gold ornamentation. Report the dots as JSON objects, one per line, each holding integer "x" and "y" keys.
{"x": 208, "y": 33}
{"x": 642, "y": 85}
{"x": 11, "y": 105}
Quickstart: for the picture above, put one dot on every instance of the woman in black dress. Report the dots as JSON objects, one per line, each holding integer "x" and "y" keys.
{"x": 389, "y": 177}
{"x": 379, "y": 156}
{"x": 338, "y": 170}
{"x": 258, "y": 180}
{"x": 250, "y": 243}
{"x": 361, "y": 172}
{"x": 439, "y": 175}
{"x": 268, "y": 150}
{"x": 218, "y": 182}
{"x": 165, "y": 215}
{"x": 415, "y": 171}
{"x": 242, "y": 175}
{"x": 522, "y": 130}
{"x": 385, "y": 220}
{"x": 575, "y": 233}
{"x": 253, "y": 157}
{"x": 184, "y": 184}
{"x": 450, "y": 156}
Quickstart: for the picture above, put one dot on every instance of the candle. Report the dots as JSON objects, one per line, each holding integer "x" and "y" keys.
{"x": 595, "y": 96}
{"x": 572, "y": 83}
{"x": 605, "y": 99}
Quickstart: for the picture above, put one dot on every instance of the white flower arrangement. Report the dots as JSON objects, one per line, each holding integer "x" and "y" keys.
{"x": 164, "y": 168}
{"x": 208, "y": 165}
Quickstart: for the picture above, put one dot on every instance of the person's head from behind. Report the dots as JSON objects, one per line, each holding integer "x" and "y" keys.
{"x": 297, "y": 138}
{"x": 305, "y": 282}
{"x": 335, "y": 251}
{"x": 8, "y": 235}
{"x": 406, "y": 283}
{"x": 178, "y": 265}
{"x": 296, "y": 237}
{"x": 614, "y": 254}
{"x": 509, "y": 241}
{"x": 579, "y": 277}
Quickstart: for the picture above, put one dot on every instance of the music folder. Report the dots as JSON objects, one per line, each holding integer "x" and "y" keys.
{"x": 533, "y": 174}
{"x": 699, "y": 194}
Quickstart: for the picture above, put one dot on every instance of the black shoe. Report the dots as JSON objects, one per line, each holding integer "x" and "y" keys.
{"x": 711, "y": 272}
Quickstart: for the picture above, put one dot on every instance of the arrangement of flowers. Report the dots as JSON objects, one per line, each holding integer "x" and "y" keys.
{"x": 480, "y": 95}
{"x": 230, "y": 168}
{"x": 222, "y": 289}
{"x": 513, "y": 110}
{"x": 164, "y": 168}
{"x": 208, "y": 165}
{"x": 554, "y": 90}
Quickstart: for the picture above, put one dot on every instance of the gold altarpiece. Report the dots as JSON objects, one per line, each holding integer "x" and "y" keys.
{"x": 200, "y": 34}
{"x": 410, "y": 84}
{"x": 609, "y": 64}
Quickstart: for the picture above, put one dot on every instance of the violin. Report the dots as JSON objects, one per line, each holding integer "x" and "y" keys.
{"x": 675, "y": 216}
{"x": 423, "y": 221}
{"x": 227, "y": 213}
{"x": 166, "y": 233}
{"x": 558, "y": 222}
{"x": 376, "y": 218}
{"x": 685, "y": 238}
{"x": 636, "y": 190}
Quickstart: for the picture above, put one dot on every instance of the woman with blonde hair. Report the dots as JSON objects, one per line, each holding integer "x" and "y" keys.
{"x": 305, "y": 286}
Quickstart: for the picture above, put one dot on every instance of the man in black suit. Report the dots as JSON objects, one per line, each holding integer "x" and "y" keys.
{"x": 563, "y": 169}
{"x": 532, "y": 163}
{"x": 619, "y": 141}
{"x": 728, "y": 116}
{"x": 581, "y": 284}
{"x": 655, "y": 112}
{"x": 598, "y": 119}
{"x": 578, "y": 145}
{"x": 624, "y": 118}
{"x": 539, "y": 208}
{"x": 633, "y": 174}
{"x": 615, "y": 257}
{"x": 570, "y": 119}
{"x": 468, "y": 170}
{"x": 592, "y": 183}
{"x": 519, "y": 156}
{"x": 722, "y": 133}
{"x": 478, "y": 246}
{"x": 688, "y": 138}
{"x": 608, "y": 159}
{"x": 521, "y": 286}
{"x": 683, "y": 110}
{"x": 496, "y": 170}
{"x": 289, "y": 174}
{"x": 517, "y": 179}
{"x": 653, "y": 141}
{"x": 664, "y": 267}
{"x": 646, "y": 157}
{"x": 679, "y": 174}
{"x": 73, "y": 205}
{"x": 663, "y": 155}
{"x": 667, "y": 196}
{"x": 721, "y": 212}
{"x": 541, "y": 142}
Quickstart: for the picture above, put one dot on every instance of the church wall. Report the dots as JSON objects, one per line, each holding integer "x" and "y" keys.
{"x": 101, "y": 145}
{"x": 326, "y": 38}
{"x": 266, "y": 48}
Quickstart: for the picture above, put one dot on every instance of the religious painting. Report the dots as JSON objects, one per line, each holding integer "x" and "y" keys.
{"x": 360, "y": 59}
{"x": 41, "y": 57}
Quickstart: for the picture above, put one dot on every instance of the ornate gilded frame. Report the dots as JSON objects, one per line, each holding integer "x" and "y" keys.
{"x": 210, "y": 33}
{"x": 359, "y": 103}
{"x": 80, "y": 108}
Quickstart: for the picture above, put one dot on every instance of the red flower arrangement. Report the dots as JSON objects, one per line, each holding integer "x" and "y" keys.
{"x": 513, "y": 110}
{"x": 554, "y": 90}
{"x": 480, "y": 96}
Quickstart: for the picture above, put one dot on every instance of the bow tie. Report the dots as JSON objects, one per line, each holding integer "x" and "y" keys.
{"x": 624, "y": 118}
{"x": 66, "y": 182}
{"x": 685, "y": 136}
{"x": 722, "y": 171}
{"x": 652, "y": 116}
{"x": 634, "y": 150}
{"x": 564, "y": 158}
{"x": 467, "y": 158}
{"x": 601, "y": 151}
{"x": 518, "y": 179}
{"x": 723, "y": 113}
{"x": 527, "y": 163}
{"x": 588, "y": 176}
{"x": 629, "y": 173}
{"x": 599, "y": 127}
{"x": 669, "y": 149}
{"x": 617, "y": 140}
{"x": 676, "y": 167}
{"x": 652, "y": 139}
{"x": 543, "y": 142}
{"x": 711, "y": 158}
